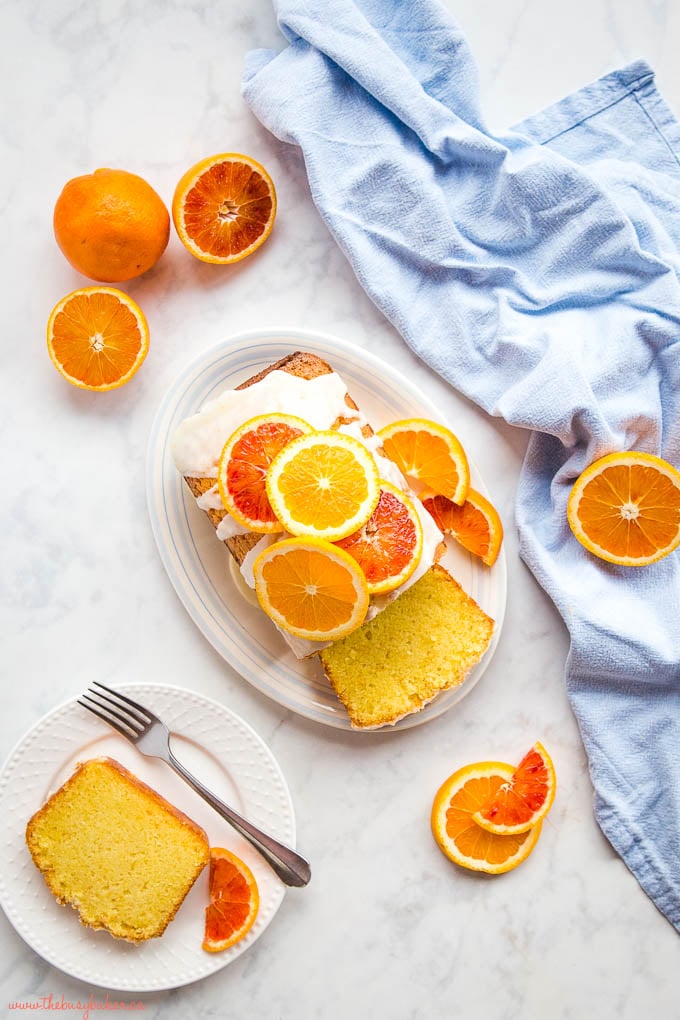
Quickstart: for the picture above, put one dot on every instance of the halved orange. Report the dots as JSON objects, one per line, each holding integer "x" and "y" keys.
{"x": 97, "y": 337}
{"x": 234, "y": 901}
{"x": 244, "y": 462}
{"x": 389, "y": 545}
{"x": 324, "y": 484}
{"x": 458, "y": 835}
{"x": 522, "y": 801}
{"x": 311, "y": 588}
{"x": 224, "y": 207}
{"x": 474, "y": 524}
{"x": 430, "y": 454}
{"x": 625, "y": 508}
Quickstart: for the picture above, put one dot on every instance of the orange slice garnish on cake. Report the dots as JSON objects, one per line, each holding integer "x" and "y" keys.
{"x": 224, "y": 208}
{"x": 429, "y": 454}
{"x": 324, "y": 484}
{"x": 457, "y": 833}
{"x": 523, "y": 800}
{"x": 311, "y": 588}
{"x": 625, "y": 508}
{"x": 474, "y": 524}
{"x": 234, "y": 901}
{"x": 246, "y": 457}
{"x": 389, "y": 545}
{"x": 97, "y": 338}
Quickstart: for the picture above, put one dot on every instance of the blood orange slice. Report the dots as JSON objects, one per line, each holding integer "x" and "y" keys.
{"x": 224, "y": 207}
{"x": 234, "y": 901}
{"x": 389, "y": 545}
{"x": 456, "y": 831}
{"x": 245, "y": 460}
{"x": 523, "y": 800}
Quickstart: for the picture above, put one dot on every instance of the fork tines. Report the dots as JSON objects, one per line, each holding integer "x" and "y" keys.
{"x": 116, "y": 706}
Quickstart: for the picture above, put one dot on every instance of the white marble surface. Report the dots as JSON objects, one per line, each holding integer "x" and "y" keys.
{"x": 388, "y": 927}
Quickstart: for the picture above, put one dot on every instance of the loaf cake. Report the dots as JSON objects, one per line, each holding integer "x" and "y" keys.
{"x": 431, "y": 655}
{"x": 116, "y": 851}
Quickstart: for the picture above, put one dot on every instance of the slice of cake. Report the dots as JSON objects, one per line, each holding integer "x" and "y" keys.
{"x": 116, "y": 851}
{"x": 423, "y": 643}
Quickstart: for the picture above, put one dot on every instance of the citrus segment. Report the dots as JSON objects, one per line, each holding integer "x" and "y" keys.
{"x": 389, "y": 545}
{"x": 224, "y": 207}
{"x": 244, "y": 462}
{"x": 428, "y": 453}
{"x": 525, "y": 799}
{"x": 625, "y": 508}
{"x": 458, "y": 835}
{"x": 474, "y": 524}
{"x": 111, "y": 225}
{"x": 311, "y": 588}
{"x": 97, "y": 337}
{"x": 324, "y": 484}
{"x": 234, "y": 901}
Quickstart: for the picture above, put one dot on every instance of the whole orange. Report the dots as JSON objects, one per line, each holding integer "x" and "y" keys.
{"x": 111, "y": 225}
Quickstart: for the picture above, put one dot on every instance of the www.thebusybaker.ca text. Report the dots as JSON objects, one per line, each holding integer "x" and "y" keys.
{"x": 50, "y": 1002}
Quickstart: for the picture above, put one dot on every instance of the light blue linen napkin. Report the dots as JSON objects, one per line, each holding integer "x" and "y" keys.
{"x": 537, "y": 270}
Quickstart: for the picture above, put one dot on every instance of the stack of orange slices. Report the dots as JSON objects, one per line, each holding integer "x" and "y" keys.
{"x": 488, "y": 816}
{"x": 348, "y": 534}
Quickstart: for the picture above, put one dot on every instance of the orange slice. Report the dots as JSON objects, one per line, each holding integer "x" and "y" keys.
{"x": 324, "y": 484}
{"x": 234, "y": 901}
{"x": 430, "y": 454}
{"x": 311, "y": 588}
{"x": 474, "y": 524}
{"x": 224, "y": 208}
{"x": 625, "y": 508}
{"x": 524, "y": 799}
{"x": 245, "y": 460}
{"x": 97, "y": 337}
{"x": 389, "y": 545}
{"x": 458, "y": 835}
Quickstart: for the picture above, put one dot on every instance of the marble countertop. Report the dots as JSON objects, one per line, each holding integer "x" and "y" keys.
{"x": 388, "y": 927}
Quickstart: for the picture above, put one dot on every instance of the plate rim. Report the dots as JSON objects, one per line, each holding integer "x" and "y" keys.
{"x": 216, "y": 962}
{"x": 296, "y": 337}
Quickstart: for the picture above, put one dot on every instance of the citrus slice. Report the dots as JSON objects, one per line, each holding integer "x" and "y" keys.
{"x": 524, "y": 799}
{"x": 458, "y": 835}
{"x": 234, "y": 901}
{"x": 244, "y": 462}
{"x": 474, "y": 524}
{"x": 224, "y": 208}
{"x": 625, "y": 508}
{"x": 311, "y": 588}
{"x": 324, "y": 484}
{"x": 389, "y": 545}
{"x": 429, "y": 453}
{"x": 97, "y": 337}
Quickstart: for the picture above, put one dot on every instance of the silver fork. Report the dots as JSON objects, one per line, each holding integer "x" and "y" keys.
{"x": 152, "y": 737}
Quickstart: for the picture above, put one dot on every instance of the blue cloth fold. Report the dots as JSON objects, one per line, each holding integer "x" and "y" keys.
{"x": 537, "y": 270}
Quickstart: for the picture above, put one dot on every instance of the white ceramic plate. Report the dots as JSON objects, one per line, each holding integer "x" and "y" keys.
{"x": 197, "y": 564}
{"x": 214, "y": 744}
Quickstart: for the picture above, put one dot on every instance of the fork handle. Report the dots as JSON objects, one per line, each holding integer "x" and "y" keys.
{"x": 291, "y": 868}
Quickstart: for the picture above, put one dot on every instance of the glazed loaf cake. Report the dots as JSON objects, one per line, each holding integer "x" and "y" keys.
{"x": 116, "y": 851}
{"x": 404, "y": 654}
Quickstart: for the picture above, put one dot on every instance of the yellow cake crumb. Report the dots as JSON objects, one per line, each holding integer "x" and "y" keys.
{"x": 424, "y": 642}
{"x": 116, "y": 851}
